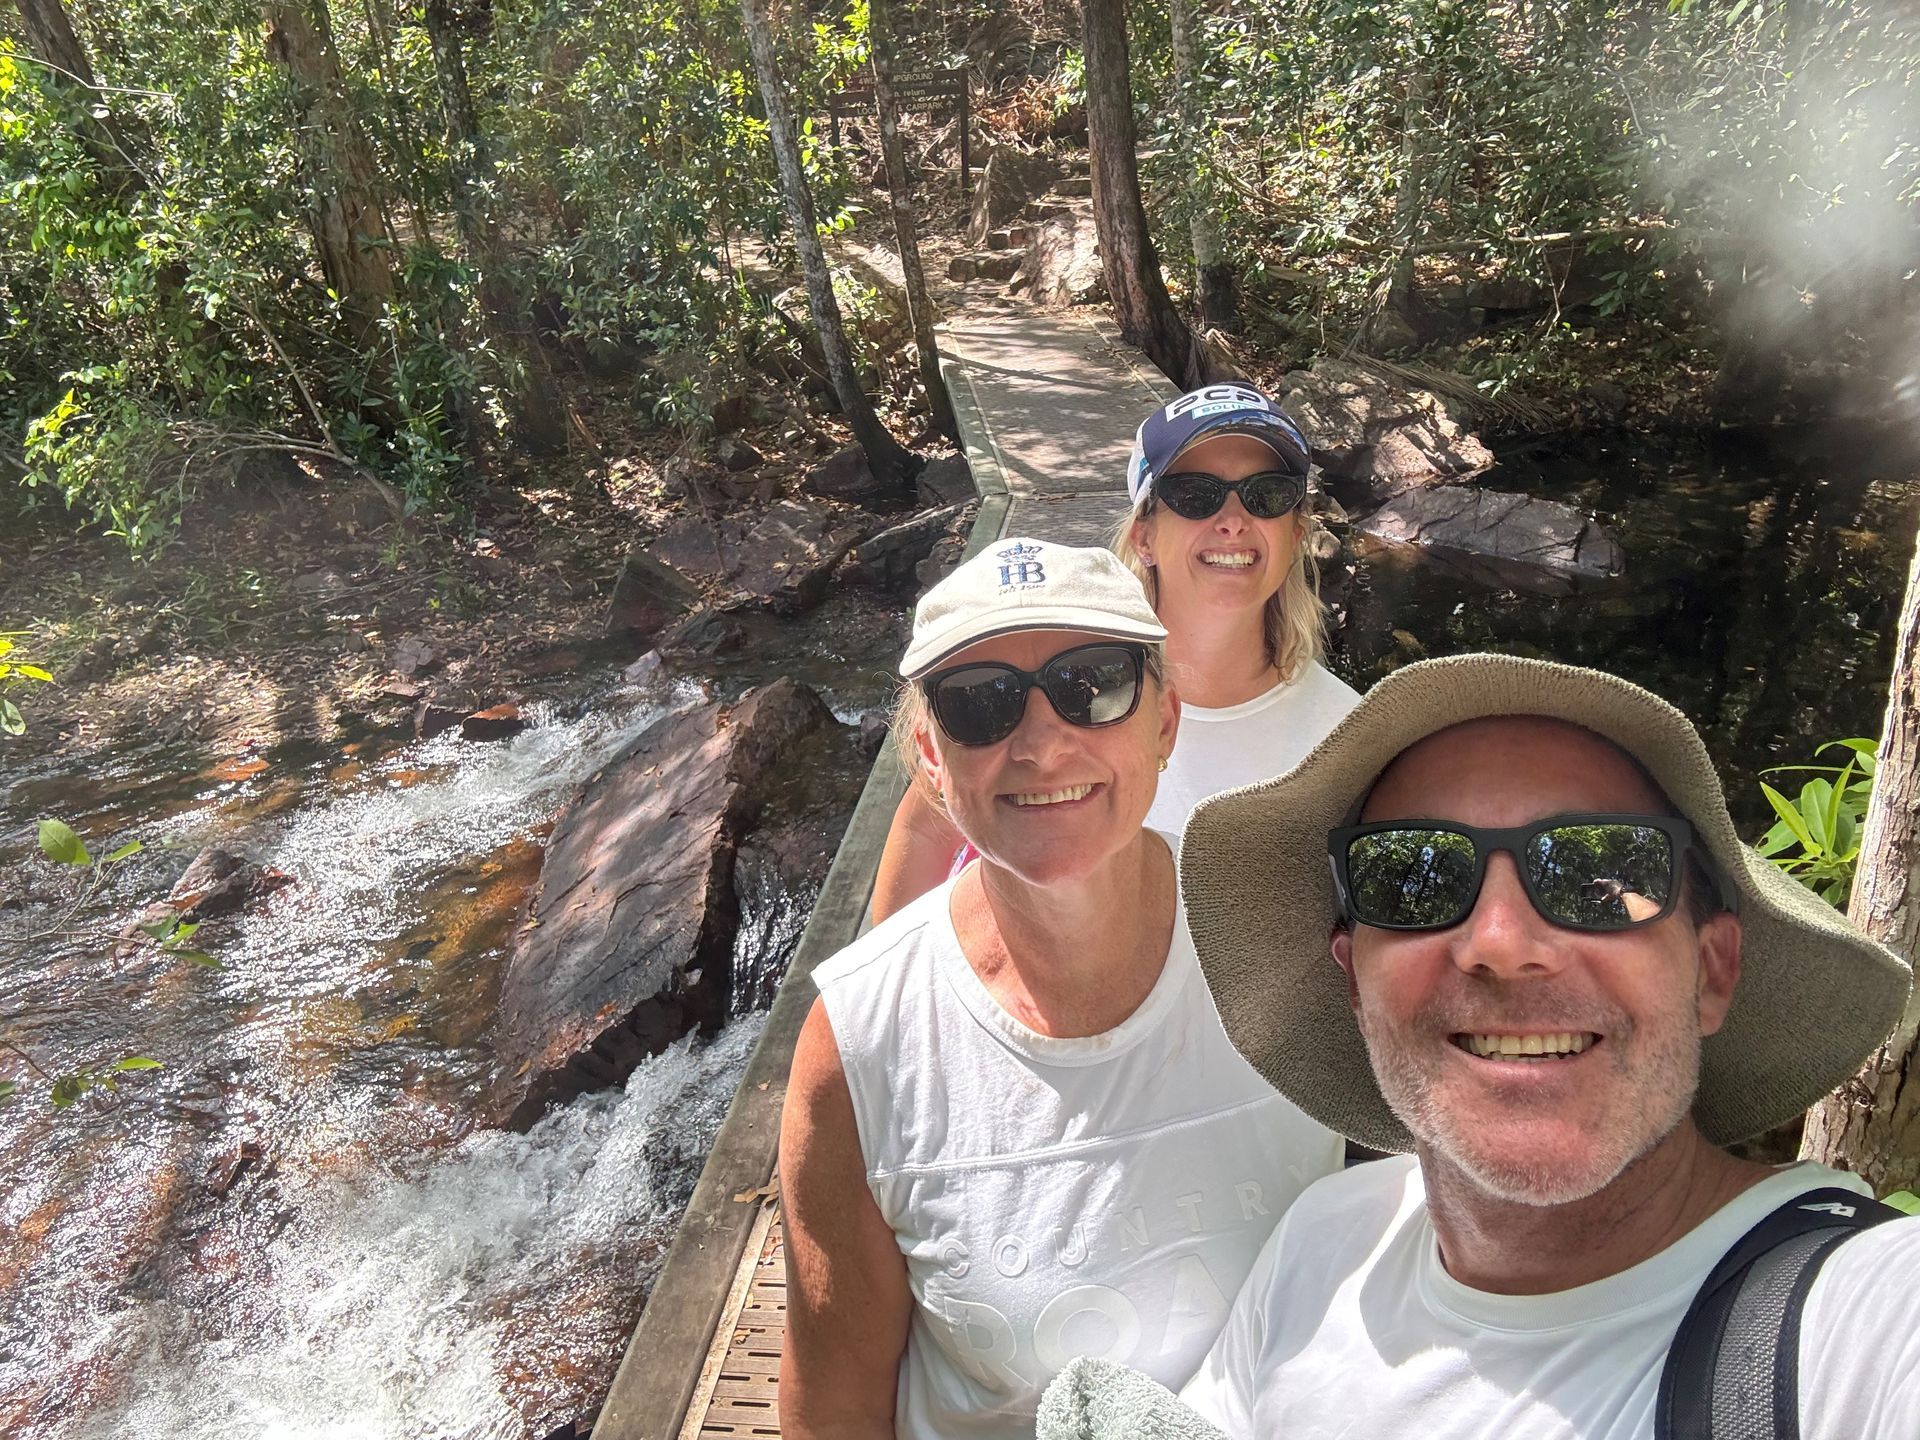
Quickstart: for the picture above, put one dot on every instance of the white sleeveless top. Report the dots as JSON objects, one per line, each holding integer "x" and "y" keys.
{"x": 1054, "y": 1197}
{"x": 1223, "y": 749}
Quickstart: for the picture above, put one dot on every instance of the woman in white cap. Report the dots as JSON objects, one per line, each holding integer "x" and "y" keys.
{"x": 1015, "y": 1132}
{"x": 1217, "y": 532}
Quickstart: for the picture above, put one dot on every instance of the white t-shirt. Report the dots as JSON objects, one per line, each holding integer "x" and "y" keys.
{"x": 1255, "y": 740}
{"x": 1350, "y": 1326}
{"x": 1054, "y": 1197}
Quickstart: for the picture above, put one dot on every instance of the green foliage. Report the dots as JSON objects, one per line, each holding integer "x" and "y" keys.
{"x": 60, "y": 843}
{"x": 13, "y": 674}
{"x": 1647, "y": 135}
{"x": 1816, "y": 838}
{"x": 163, "y": 310}
{"x": 1904, "y": 1201}
{"x": 89, "y": 1078}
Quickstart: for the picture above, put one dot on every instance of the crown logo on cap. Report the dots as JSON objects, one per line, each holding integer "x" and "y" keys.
{"x": 1020, "y": 565}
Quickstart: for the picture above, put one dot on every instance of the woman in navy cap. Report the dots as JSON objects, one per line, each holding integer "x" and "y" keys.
{"x": 1217, "y": 533}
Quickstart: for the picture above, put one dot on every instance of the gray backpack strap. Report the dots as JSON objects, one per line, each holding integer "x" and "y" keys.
{"x": 1733, "y": 1370}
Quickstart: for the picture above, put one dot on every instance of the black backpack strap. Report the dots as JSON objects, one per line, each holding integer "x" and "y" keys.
{"x": 1733, "y": 1371}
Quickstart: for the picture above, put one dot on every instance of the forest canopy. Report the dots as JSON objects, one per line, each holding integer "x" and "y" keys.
{"x": 401, "y": 236}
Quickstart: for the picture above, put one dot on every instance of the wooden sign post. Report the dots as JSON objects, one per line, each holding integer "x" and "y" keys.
{"x": 933, "y": 91}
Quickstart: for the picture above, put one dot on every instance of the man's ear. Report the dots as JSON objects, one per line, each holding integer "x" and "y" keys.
{"x": 1340, "y": 942}
{"x": 1719, "y": 972}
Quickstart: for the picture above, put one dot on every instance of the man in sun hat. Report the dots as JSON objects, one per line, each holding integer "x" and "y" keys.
{"x": 1561, "y": 982}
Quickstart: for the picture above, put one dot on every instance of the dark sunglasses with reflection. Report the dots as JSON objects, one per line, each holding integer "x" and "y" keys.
{"x": 1596, "y": 872}
{"x": 1089, "y": 686}
{"x": 1197, "y": 495}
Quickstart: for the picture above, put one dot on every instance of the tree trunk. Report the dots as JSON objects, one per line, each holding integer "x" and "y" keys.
{"x": 884, "y": 454}
{"x": 1409, "y": 197}
{"x": 349, "y": 227}
{"x": 51, "y": 40}
{"x": 1871, "y": 1125}
{"x": 1134, "y": 284}
{"x": 542, "y": 426}
{"x": 1213, "y": 278}
{"x": 900, "y": 193}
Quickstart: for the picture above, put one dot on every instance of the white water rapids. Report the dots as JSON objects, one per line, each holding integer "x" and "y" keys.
{"x": 393, "y": 1312}
{"x": 293, "y": 1230}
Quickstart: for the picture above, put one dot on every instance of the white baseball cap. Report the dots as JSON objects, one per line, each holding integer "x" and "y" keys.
{"x": 1019, "y": 584}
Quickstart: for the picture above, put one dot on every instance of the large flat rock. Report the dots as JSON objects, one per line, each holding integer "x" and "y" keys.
{"x": 630, "y": 929}
{"x": 781, "y": 557}
{"x": 1508, "y": 541}
{"x": 1372, "y": 437}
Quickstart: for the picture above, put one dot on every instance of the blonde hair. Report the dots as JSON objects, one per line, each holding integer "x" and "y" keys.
{"x": 1295, "y": 622}
{"x": 912, "y": 714}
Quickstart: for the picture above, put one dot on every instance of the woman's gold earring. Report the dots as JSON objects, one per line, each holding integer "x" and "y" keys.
{"x": 1163, "y": 763}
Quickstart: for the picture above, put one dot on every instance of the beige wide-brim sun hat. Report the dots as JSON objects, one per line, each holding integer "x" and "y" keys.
{"x": 1815, "y": 995}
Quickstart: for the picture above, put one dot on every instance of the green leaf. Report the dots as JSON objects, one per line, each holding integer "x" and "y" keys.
{"x": 7, "y": 1089}
{"x": 1816, "y": 808}
{"x": 59, "y": 844}
{"x": 158, "y": 929}
{"x": 1903, "y": 1200}
{"x": 11, "y": 720}
{"x": 197, "y": 957}
{"x": 135, "y": 1062}
{"x": 132, "y": 847}
{"x": 33, "y": 672}
{"x": 67, "y": 1089}
{"x": 1789, "y": 816}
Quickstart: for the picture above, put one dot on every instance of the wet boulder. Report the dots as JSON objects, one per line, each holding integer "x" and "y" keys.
{"x": 701, "y": 635}
{"x": 496, "y": 722}
{"x": 219, "y": 882}
{"x": 1507, "y": 541}
{"x": 889, "y": 558}
{"x": 781, "y": 558}
{"x": 431, "y": 719}
{"x": 1373, "y": 437}
{"x": 629, "y": 932}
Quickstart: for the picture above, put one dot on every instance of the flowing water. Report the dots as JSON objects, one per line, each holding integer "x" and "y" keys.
{"x": 303, "y": 1225}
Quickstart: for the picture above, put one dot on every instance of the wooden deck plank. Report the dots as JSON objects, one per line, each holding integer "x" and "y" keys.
{"x": 745, "y": 1394}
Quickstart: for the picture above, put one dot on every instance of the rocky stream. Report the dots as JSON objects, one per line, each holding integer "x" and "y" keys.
{"x": 486, "y": 980}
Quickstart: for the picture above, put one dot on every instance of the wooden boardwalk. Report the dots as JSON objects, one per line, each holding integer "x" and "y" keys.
{"x": 1047, "y": 403}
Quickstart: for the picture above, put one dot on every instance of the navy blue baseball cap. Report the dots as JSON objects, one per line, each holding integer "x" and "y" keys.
{"x": 1230, "y": 409}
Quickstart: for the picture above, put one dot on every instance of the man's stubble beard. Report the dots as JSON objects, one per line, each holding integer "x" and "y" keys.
{"x": 1653, "y": 1107}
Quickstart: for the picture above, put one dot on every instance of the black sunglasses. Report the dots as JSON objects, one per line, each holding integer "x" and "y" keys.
{"x": 1582, "y": 872}
{"x": 1089, "y": 685}
{"x": 1196, "y": 495}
